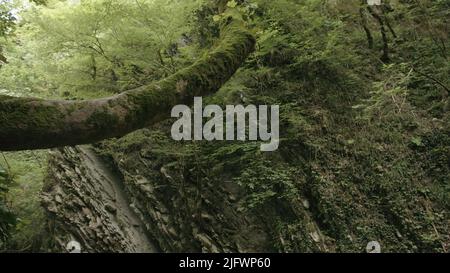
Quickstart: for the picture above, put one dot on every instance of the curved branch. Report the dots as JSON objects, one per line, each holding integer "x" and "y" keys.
{"x": 30, "y": 123}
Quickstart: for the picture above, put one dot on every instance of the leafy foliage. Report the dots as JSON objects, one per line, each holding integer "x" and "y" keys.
{"x": 97, "y": 47}
{"x": 7, "y": 218}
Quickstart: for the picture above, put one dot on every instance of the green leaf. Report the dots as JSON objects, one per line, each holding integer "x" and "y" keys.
{"x": 232, "y": 4}
{"x": 3, "y": 173}
{"x": 417, "y": 141}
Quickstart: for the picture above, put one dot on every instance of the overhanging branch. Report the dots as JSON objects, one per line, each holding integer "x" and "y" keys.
{"x": 30, "y": 123}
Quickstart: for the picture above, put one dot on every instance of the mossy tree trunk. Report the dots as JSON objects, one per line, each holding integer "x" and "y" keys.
{"x": 31, "y": 123}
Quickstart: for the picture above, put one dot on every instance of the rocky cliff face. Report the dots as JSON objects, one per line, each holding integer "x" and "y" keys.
{"x": 177, "y": 215}
{"x": 87, "y": 203}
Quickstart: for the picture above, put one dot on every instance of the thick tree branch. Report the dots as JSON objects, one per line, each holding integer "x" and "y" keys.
{"x": 30, "y": 123}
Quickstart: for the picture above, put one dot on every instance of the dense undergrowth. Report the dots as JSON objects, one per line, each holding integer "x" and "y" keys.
{"x": 365, "y": 140}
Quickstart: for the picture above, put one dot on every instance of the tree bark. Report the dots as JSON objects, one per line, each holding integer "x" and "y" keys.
{"x": 385, "y": 57}
{"x": 31, "y": 123}
{"x": 366, "y": 27}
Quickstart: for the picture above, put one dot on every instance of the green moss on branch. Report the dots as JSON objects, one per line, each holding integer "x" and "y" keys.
{"x": 28, "y": 123}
